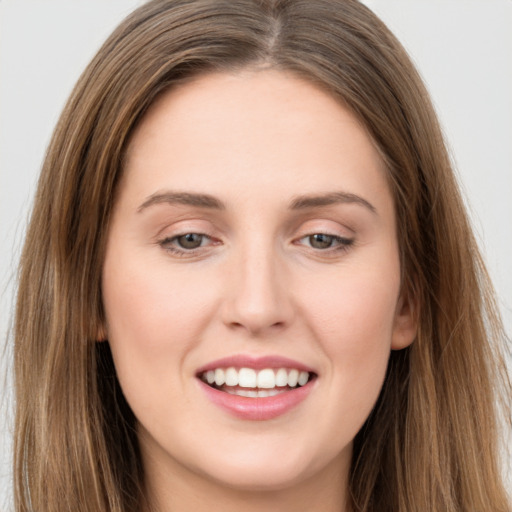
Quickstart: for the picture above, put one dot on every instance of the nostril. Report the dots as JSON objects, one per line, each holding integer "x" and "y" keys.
{"x": 256, "y": 327}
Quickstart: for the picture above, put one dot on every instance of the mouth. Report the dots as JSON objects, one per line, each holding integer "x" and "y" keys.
{"x": 256, "y": 383}
{"x": 256, "y": 388}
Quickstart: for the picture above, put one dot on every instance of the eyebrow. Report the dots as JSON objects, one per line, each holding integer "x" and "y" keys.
{"x": 302, "y": 202}
{"x": 332, "y": 198}
{"x": 184, "y": 198}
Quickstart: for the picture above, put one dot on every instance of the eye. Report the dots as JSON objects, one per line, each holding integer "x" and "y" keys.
{"x": 190, "y": 240}
{"x": 185, "y": 244}
{"x": 324, "y": 241}
{"x": 320, "y": 241}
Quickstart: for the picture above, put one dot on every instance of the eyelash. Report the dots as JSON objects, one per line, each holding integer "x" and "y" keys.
{"x": 342, "y": 244}
{"x": 167, "y": 244}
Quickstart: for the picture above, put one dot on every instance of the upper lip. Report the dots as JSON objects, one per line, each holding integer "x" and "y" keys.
{"x": 257, "y": 363}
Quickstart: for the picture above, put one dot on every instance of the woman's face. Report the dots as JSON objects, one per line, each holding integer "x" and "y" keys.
{"x": 253, "y": 240}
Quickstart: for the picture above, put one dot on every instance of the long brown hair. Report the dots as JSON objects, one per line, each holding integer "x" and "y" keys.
{"x": 431, "y": 442}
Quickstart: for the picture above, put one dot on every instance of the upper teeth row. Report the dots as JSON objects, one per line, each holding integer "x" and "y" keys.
{"x": 248, "y": 378}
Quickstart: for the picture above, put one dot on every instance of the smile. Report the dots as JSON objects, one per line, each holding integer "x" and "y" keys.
{"x": 256, "y": 389}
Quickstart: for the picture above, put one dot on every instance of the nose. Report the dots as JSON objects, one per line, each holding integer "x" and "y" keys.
{"x": 259, "y": 298}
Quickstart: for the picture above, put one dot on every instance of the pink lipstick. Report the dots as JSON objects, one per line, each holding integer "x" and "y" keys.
{"x": 256, "y": 388}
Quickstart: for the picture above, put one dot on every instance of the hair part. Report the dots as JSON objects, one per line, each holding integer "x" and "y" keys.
{"x": 430, "y": 443}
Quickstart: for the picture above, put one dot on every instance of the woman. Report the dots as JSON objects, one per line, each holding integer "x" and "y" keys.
{"x": 249, "y": 280}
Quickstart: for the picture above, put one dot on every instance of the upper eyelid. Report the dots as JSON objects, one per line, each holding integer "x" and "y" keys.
{"x": 181, "y": 227}
{"x": 323, "y": 222}
{"x": 293, "y": 230}
{"x": 178, "y": 235}
{"x": 210, "y": 233}
{"x": 346, "y": 233}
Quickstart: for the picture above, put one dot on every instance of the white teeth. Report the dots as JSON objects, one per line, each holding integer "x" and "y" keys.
{"x": 247, "y": 378}
{"x": 239, "y": 392}
{"x": 303, "y": 378}
{"x": 266, "y": 379}
{"x": 231, "y": 377}
{"x": 220, "y": 377}
{"x": 293, "y": 378}
{"x": 262, "y": 393}
{"x": 281, "y": 377}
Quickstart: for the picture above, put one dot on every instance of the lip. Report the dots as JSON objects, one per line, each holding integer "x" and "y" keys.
{"x": 259, "y": 408}
{"x": 257, "y": 363}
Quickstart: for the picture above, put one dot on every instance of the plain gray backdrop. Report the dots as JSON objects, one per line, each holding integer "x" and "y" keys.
{"x": 463, "y": 49}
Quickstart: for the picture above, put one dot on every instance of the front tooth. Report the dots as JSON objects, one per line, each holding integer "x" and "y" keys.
{"x": 303, "y": 378}
{"x": 263, "y": 393}
{"x": 281, "y": 377}
{"x": 231, "y": 377}
{"x": 210, "y": 376}
{"x": 220, "y": 377}
{"x": 293, "y": 378}
{"x": 266, "y": 379}
{"x": 247, "y": 378}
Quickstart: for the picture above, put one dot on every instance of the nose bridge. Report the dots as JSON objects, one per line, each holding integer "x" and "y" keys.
{"x": 258, "y": 294}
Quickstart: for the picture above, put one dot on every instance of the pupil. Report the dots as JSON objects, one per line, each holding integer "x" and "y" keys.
{"x": 190, "y": 240}
{"x": 320, "y": 241}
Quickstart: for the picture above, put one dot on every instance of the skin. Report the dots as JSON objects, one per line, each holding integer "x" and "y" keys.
{"x": 258, "y": 284}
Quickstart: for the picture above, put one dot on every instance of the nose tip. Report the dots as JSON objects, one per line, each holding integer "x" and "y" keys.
{"x": 256, "y": 317}
{"x": 259, "y": 301}
{"x": 256, "y": 324}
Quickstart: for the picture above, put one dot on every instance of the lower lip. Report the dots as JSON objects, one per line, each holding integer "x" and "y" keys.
{"x": 259, "y": 408}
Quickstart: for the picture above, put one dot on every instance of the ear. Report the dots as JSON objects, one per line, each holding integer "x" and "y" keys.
{"x": 405, "y": 326}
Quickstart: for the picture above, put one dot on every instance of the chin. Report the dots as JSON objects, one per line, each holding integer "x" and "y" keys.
{"x": 258, "y": 478}
{"x": 273, "y": 471}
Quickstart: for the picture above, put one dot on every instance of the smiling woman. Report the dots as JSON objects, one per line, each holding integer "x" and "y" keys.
{"x": 227, "y": 312}
{"x": 258, "y": 290}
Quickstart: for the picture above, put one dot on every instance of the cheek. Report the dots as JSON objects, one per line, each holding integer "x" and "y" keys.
{"x": 356, "y": 311}
{"x": 146, "y": 305}
{"x": 353, "y": 319}
{"x": 153, "y": 321}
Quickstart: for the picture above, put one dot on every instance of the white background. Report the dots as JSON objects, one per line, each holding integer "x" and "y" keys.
{"x": 463, "y": 49}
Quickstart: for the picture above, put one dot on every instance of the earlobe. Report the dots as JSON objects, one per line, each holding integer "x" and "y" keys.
{"x": 405, "y": 326}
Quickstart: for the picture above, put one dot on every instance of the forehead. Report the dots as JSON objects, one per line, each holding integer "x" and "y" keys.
{"x": 252, "y": 132}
